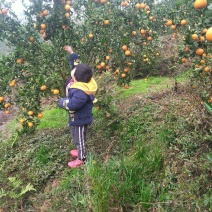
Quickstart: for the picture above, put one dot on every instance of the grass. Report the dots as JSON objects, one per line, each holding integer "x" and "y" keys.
{"x": 54, "y": 118}
{"x": 145, "y": 85}
{"x": 157, "y": 158}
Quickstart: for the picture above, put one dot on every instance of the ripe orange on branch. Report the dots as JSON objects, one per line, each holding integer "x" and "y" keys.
{"x": 199, "y": 51}
{"x": 200, "y": 4}
{"x": 30, "y": 113}
{"x": 106, "y": 22}
{"x": 127, "y": 52}
{"x": 40, "y": 115}
{"x": 67, "y": 7}
{"x": 43, "y": 26}
{"x": 30, "y": 124}
{"x": 124, "y": 47}
{"x": 7, "y": 112}
{"x": 21, "y": 121}
{"x": 43, "y": 87}
{"x": 124, "y": 3}
{"x": 183, "y": 22}
{"x": 19, "y": 60}
{"x": 107, "y": 58}
{"x": 209, "y": 34}
{"x": 168, "y": 23}
{"x": 1, "y": 99}
{"x": 90, "y": 35}
{"x": 7, "y": 105}
{"x": 194, "y": 37}
{"x": 55, "y": 91}
{"x": 44, "y": 13}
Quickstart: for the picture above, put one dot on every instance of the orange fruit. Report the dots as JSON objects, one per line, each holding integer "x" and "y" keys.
{"x": 44, "y": 13}
{"x": 43, "y": 87}
{"x": 7, "y": 105}
{"x": 1, "y": 99}
{"x": 102, "y": 1}
{"x": 142, "y": 6}
{"x": 30, "y": 124}
{"x": 202, "y": 39}
{"x": 124, "y": 47}
{"x": 183, "y": 22}
{"x": 123, "y": 75}
{"x": 124, "y": 3}
{"x": 19, "y": 60}
{"x": 30, "y": 113}
{"x": 134, "y": 33}
{"x": 31, "y": 39}
{"x": 106, "y": 22}
{"x": 209, "y": 34}
{"x": 143, "y": 31}
{"x": 116, "y": 71}
{"x": 40, "y": 115}
{"x": 55, "y": 91}
{"x": 67, "y": 15}
{"x": 43, "y": 26}
{"x": 83, "y": 39}
{"x": 98, "y": 66}
{"x": 127, "y": 52}
{"x": 90, "y": 35}
{"x": 7, "y": 112}
{"x": 21, "y": 121}
{"x": 204, "y": 31}
{"x": 138, "y": 6}
{"x": 186, "y": 49}
{"x": 149, "y": 38}
{"x": 126, "y": 86}
{"x": 107, "y": 67}
{"x": 194, "y": 37}
{"x": 126, "y": 69}
{"x": 67, "y": 7}
{"x": 168, "y": 23}
{"x": 102, "y": 64}
{"x": 184, "y": 60}
{"x": 199, "y": 51}
{"x": 200, "y": 4}
{"x": 207, "y": 69}
{"x": 202, "y": 61}
{"x": 107, "y": 58}
{"x": 173, "y": 26}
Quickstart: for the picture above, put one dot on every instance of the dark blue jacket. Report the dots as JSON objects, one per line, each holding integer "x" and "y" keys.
{"x": 79, "y": 103}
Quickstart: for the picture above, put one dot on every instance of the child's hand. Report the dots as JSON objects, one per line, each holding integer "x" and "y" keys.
{"x": 68, "y": 49}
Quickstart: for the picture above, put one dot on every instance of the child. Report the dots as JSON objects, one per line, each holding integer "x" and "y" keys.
{"x": 79, "y": 103}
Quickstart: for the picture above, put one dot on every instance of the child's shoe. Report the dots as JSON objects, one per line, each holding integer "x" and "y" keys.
{"x": 74, "y": 153}
{"x": 75, "y": 163}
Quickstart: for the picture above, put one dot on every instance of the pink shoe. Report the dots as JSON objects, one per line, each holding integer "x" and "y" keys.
{"x": 74, "y": 153}
{"x": 75, "y": 163}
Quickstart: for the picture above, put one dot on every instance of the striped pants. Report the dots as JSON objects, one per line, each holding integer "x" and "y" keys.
{"x": 78, "y": 134}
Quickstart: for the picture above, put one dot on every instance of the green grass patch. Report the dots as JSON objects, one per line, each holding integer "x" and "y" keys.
{"x": 54, "y": 118}
{"x": 150, "y": 84}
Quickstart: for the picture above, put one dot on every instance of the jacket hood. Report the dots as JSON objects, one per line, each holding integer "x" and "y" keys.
{"x": 89, "y": 88}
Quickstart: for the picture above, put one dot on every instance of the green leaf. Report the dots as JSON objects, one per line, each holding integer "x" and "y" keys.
{"x": 208, "y": 107}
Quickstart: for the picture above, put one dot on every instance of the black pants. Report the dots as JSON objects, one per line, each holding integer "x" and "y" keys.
{"x": 78, "y": 134}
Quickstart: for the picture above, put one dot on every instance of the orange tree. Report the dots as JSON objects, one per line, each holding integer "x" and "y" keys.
{"x": 190, "y": 20}
{"x": 197, "y": 48}
{"x": 114, "y": 36}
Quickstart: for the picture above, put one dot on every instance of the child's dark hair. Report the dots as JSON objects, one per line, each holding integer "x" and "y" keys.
{"x": 83, "y": 73}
